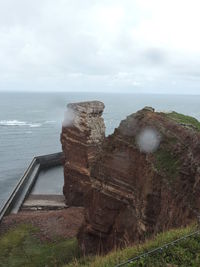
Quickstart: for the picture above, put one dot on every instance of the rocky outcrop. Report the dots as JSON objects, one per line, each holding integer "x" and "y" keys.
{"x": 82, "y": 134}
{"x": 146, "y": 179}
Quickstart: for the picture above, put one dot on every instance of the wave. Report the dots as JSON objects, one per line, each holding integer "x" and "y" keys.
{"x": 18, "y": 123}
{"x": 50, "y": 122}
{"x": 33, "y": 125}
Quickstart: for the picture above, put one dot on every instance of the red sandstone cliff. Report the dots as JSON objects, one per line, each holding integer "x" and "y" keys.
{"x": 142, "y": 179}
{"x": 146, "y": 179}
{"x": 82, "y": 134}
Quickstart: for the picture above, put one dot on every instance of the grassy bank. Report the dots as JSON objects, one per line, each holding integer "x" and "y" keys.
{"x": 186, "y": 253}
{"x": 21, "y": 247}
{"x": 187, "y": 120}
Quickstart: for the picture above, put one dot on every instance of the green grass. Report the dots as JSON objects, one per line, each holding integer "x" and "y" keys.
{"x": 188, "y": 120}
{"x": 20, "y": 247}
{"x": 187, "y": 253}
{"x": 166, "y": 162}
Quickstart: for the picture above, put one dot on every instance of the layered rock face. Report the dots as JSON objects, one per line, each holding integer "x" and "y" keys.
{"x": 146, "y": 179}
{"x": 82, "y": 134}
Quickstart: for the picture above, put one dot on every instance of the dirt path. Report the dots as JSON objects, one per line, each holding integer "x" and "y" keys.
{"x": 52, "y": 224}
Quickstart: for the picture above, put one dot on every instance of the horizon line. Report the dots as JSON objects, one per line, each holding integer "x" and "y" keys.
{"x": 103, "y": 92}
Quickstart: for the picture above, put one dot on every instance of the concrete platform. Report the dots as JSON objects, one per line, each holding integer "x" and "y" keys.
{"x": 46, "y": 193}
{"x": 43, "y": 178}
{"x": 44, "y": 202}
{"x": 49, "y": 182}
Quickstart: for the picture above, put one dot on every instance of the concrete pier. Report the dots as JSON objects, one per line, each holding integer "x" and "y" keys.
{"x": 39, "y": 188}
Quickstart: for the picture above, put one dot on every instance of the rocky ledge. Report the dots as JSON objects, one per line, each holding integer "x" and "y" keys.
{"x": 144, "y": 179}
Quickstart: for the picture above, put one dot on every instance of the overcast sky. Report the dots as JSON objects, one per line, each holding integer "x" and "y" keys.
{"x": 106, "y": 45}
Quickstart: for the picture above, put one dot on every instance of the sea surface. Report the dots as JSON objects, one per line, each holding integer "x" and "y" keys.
{"x": 30, "y": 123}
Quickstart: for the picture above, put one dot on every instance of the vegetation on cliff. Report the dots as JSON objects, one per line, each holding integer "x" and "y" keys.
{"x": 184, "y": 119}
{"x": 167, "y": 163}
{"x": 21, "y": 247}
{"x": 185, "y": 253}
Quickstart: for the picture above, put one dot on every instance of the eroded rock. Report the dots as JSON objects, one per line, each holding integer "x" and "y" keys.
{"x": 136, "y": 192}
{"x": 82, "y": 134}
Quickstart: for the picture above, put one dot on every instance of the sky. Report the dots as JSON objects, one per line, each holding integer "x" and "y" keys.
{"x": 136, "y": 46}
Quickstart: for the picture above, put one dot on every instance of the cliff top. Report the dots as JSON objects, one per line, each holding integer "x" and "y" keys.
{"x": 91, "y": 107}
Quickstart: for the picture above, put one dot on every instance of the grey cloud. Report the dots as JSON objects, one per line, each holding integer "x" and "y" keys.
{"x": 64, "y": 45}
{"x": 155, "y": 56}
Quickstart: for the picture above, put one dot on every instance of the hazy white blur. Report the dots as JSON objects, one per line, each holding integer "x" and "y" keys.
{"x": 148, "y": 140}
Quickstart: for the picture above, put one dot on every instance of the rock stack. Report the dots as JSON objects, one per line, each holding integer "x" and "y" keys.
{"x": 82, "y": 134}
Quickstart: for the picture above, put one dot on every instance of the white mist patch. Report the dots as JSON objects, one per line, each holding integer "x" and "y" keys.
{"x": 68, "y": 118}
{"x": 148, "y": 140}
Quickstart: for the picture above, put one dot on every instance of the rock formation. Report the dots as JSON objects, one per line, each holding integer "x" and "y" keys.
{"x": 146, "y": 179}
{"x": 82, "y": 134}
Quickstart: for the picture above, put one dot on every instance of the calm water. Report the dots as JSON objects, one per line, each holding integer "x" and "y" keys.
{"x": 30, "y": 123}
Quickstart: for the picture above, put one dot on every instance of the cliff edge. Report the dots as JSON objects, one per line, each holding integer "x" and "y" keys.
{"x": 142, "y": 179}
{"x": 146, "y": 179}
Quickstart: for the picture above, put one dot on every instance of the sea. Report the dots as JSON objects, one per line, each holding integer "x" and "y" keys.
{"x": 30, "y": 123}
